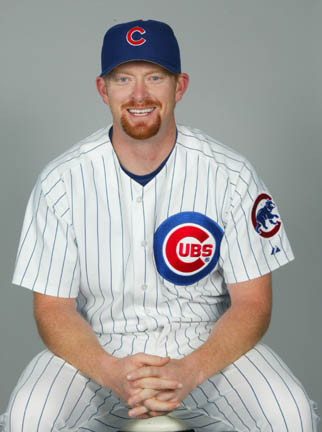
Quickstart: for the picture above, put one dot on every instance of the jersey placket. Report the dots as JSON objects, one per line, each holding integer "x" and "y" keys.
{"x": 140, "y": 245}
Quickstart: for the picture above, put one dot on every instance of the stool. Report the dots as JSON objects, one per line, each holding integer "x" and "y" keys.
{"x": 157, "y": 424}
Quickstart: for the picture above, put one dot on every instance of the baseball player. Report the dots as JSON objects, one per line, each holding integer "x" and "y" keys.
{"x": 149, "y": 248}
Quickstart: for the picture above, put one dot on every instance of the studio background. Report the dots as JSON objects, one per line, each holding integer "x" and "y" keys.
{"x": 255, "y": 69}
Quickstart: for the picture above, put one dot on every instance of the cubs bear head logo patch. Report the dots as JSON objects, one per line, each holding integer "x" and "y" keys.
{"x": 265, "y": 218}
{"x": 186, "y": 247}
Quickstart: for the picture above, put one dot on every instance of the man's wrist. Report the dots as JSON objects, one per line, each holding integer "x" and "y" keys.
{"x": 105, "y": 368}
{"x": 193, "y": 365}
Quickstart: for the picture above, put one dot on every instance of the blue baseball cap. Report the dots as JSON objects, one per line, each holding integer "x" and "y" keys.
{"x": 149, "y": 40}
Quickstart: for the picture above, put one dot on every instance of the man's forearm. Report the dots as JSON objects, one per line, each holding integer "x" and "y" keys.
{"x": 70, "y": 337}
{"x": 235, "y": 333}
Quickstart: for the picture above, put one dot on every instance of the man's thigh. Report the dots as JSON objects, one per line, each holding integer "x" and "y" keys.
{"x": 51, "y": 395}
{"x": 256, "y": 393}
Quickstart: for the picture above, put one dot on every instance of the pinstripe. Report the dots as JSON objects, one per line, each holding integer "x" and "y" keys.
{"x": 99, "y": 407}
{"x": 63, "y": 214}
{"x": 110, "y": 243}
{"x": 173, "y": 173}
{"x": 264, "y": 255}
{"x": 25, "y": 236}
{"x": 24, "y": 383}
{"x": 59, "y": 199}
{"x": 63, "y": 401}
{"x": 292, "y": 377}
{"x": 206, "y": 206}
{"x": 284, "y": 382}
{"x": 71, "y": 196}
{"x": 79, "y": 398}
{"x": 52, "y": 187}
{"x": 239, "y": 247}
{"x": 88, "y": 404}
{"x": 207, "y": 141}
{"x": 63, "y": 264}
{"x": 269, "y": 385}
{"x": 207, "y": 155}
{"x": 85, "y": 240}
{"x": 46, "y": 399}
{"x": 241, "y": 400}
{"x": 30, "y": 225}
{"x": 216, "y": 195}
{"x": 248, "y": 235}
{"x": 196, "y": 187}
{"x": 33, "y": 388}
{"x": 71, "y": 159}
{"x": 106, "y": 424}
{"x": 51, "y": 256}
{"x": 254, "y": 393}
{"x": 42, "y": 251}
{"x": 98, "y": 246}
{"x": 121, "y": 217}
{"x": 222, "y": 396}
{"x": 71, "y": 283}
{"x": 184, "y": 181}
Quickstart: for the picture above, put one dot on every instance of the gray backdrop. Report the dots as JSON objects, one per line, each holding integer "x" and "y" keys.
{"x": 255, "y": 70}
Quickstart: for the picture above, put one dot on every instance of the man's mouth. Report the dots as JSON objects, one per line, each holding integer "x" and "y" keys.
{"x": 140, "y": 111}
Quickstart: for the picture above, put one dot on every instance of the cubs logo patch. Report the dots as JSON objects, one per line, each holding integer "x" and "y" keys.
{"x": 265, "y": 222}
{"x": 186, "y": 247}
{"x": 133, "y": 38}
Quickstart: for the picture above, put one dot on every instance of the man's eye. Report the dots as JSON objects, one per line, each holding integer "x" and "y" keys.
{"x": 123, "y": 79}
{"x": 155, "y": 77}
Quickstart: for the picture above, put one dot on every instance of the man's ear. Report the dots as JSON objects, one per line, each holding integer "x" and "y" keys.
{"x": 102, "y": 89}
{"x": 181, "y": 86}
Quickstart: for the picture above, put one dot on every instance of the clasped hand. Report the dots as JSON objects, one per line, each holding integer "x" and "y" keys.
{"x": 152, "y": 385}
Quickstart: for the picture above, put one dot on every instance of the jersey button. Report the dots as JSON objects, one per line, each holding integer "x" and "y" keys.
{"x": 139, "y": 199}
{"x": 144, "y": 243}
{"x": 144, "y": 287}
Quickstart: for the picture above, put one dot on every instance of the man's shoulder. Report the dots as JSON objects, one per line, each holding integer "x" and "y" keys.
{"x": 197, "y": 141}
{"x": 88, "y": 148}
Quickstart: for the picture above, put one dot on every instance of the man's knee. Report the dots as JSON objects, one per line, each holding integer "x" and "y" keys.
{"x": 291, "y": 409}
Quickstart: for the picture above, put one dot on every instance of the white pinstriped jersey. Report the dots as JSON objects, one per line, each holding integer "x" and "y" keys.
{"x": 93, "y": 233}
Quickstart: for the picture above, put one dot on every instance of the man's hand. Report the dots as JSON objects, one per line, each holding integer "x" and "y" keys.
{"x": 121, "y": 368}
{"x": 157, "y": 379}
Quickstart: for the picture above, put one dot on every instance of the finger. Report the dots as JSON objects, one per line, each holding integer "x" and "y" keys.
{"x": 158, "y": 413}
{"x": 138, "y": 411}
{"x": 141, "y": 396}
{"x": 156, "y": 405}
{"x": 143, "y": 372}
{"x": 151, "y": 360}
{"x": 157, "y": 384}
{"x": 167, "y": 396}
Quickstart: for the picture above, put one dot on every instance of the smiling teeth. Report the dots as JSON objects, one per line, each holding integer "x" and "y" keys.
{"x": 141, "y": 111}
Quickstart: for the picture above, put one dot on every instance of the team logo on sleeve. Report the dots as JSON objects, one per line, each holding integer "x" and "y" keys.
{"x": 265, "y": 219}
{"x": 186, "y": 247}
{"x": 134, "y": 36}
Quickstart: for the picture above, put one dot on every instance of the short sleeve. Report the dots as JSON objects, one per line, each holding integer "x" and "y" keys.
{"x": 255, "y": 242}
{"x": 47, "y": 259}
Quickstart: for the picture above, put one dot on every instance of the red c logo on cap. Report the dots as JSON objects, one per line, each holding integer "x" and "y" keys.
{"x": 130, "y": 39}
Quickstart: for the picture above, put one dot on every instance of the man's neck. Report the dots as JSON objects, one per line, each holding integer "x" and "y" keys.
{"x": 143, "y": 156}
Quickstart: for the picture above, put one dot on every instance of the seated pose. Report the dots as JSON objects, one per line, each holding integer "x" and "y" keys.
{"x": 150, "y": 259}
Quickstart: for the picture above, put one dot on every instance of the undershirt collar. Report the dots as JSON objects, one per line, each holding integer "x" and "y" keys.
{"x": 142, "y": 179}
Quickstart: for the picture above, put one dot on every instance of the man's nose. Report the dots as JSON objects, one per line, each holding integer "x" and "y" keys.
{"x": 139, "y": 91}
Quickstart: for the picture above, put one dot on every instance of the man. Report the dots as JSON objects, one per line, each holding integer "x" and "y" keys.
{"x": 149, "y": 248}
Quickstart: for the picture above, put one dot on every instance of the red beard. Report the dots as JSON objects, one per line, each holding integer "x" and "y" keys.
{"x": 142, "y": 130}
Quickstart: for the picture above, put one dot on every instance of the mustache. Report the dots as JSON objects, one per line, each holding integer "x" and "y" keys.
{"x": 145, "y": 103}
